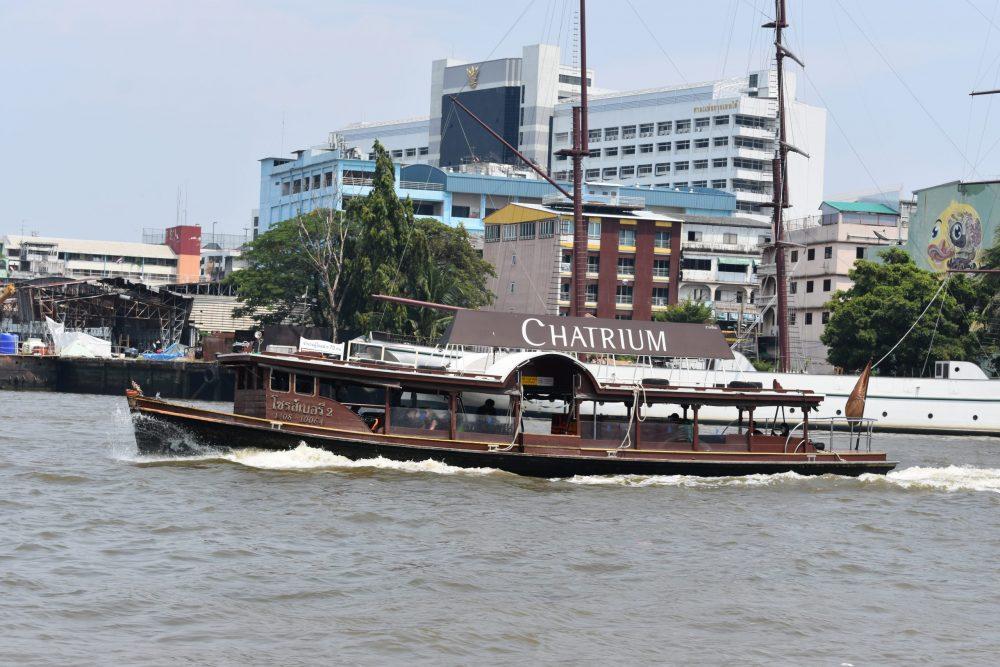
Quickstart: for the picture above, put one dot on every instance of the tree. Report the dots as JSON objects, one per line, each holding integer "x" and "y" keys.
{"x": 868, "y": 319}
{"x": 686, "y": 311}
{"x": 280, "y": 282}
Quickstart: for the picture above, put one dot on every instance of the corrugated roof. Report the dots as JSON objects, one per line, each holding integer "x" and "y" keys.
{"x": 93, "y": 247}
{"x": 625, "y": 215}
{"x": 861, "y": 207}
{"x": 728, "y": 221}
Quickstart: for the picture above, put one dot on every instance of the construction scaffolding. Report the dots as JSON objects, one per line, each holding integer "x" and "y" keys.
{"x": 128, "y": 314}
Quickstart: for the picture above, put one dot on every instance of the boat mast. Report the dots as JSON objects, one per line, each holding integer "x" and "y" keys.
{"x": 580, "y": 149}
{"x": 779, "y": 195}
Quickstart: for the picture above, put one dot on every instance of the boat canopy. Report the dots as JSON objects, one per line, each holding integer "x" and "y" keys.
{"x": 589, "y": 335}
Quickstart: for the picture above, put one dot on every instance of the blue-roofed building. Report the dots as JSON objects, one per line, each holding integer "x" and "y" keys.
{"x": 326, "y": 178}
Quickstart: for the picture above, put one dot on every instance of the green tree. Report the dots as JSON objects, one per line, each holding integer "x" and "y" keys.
{"x": 686, "y": 311}
{"x": 868, "y": 319}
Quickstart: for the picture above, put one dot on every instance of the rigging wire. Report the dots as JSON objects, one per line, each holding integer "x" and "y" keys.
{"x": 657, "y": 42}
{"x": 912, "y": 326}
{"x": 933, "y": 336}
{"x": 729, "y": 38}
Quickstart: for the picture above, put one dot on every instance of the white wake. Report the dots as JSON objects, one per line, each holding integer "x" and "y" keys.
{"x": 304, "y": 457}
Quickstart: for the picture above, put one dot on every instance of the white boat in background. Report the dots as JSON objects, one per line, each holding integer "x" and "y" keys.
{"x": 960, "y": 399}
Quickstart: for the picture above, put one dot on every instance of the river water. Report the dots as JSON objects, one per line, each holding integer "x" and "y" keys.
{"x": 302, "y": 557}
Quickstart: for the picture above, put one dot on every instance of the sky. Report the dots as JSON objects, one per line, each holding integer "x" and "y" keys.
{"x": 111, "y": 108}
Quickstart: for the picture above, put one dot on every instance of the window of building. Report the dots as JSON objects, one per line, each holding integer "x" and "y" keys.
{"x": 610, "y": 134}
{"x": 701, "y": 123}
{"x": 628, "y": 150}
{"x": 811, "y": 254}
{"x": 627, "y": 171}
{"x": 682, "y": 126}
{"x": 763, "y": 240}
{"x": 610, "y": 172}
{"x": 423, "y": 150}
{"x": 280, "y": 381}
{"x": 509, "y": 232}
{"x": 594, "y": 135}
{"x": 791, "y": 319}
{"x": 628, "y": 132}
{"x": 758, "y": 122}
{"x": 411, "y": 152}
{"x": 513, "y": 287}
{"x": 593, "y": 264}
{"x": 611, "y": 152}
{"x": 701, "y": 164}
{"x": 663, "y": 147}
{"x": 594, "y": 230}
{"x": 720, "y": 141}
{"x": 286, "y": 188}
{"x": 701, "y": 143}
{"x": 562, "y": 137}
{"x": 459, "y": 211}
{"x": 492, "y": 233}
{"x": 809, "y": 318}
{"x": 795, "y": 256}
{"x": 825, "y": 317}
{"x": 720, "y": 162}
{"x": 826, "y": 284}
{"x": 680, "y": 184}
{"x": 296, "y": 186}
{"x": 699, "y": 184}
{"x": 719, "y": 184}
{"x": 729, "y": 238}
{"x": 527, "y": 230}
{"x": 646, "y": 130}
{"x": 859, "y": 252}
{"x": 696, "y": 264}
{"x": 645, "y": 148}
{"x": 397, "y": 153}
{"x": 793, "y": 287}
{"x": 682, "y": 145}
{"x": 592, "y": 173}
{"x": 661, "y": 296}
{"x": 694, "y": 236}
{"x": 664, "y": 128}
{"x": 809, "y": 287}
{"x": 592, "y": 293}
{"x": 681, "y": 166}
{"x": 644, "y": 170}
{"x": 661, "y": 239}
{"x": 623, "y": 294}
{"x": 828, "y": 252}
{"x": 721, "y": 120}
{"x": 746, "y": 163}
{"x": 662, "y": 168}
{"x": 561, "y": 157}
{"x": 305, "y": 385}
{"x": 661, "y": 268}
{"x": 328, "y": 179}
{"x": 564, "y": 291}
{"x": 626, "y": 266}
{"x": 626, "y": 236}
{"x": 594, "y": 152}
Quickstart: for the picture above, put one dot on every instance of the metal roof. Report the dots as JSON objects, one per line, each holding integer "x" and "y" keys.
{"x": 95, "y": 247}
{"x": 861, "y": 207}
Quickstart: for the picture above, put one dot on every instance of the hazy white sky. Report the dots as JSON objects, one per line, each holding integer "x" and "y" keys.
{"x": 109, "y": 106}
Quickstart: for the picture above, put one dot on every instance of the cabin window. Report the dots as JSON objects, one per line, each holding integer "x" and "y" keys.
{"x": 327, "y": 388}
{"x": 305, "y": 385}
{"x": 242, "y": 377}
{"x": 280, "y": 381}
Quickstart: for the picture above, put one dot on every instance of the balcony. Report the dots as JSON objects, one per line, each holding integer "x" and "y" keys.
{"x": 734, "y": 277}
{"x": 413, "y": 185}
{"x": 740, "y": 248}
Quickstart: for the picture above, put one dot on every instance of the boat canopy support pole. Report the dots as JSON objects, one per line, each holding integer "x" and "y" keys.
{"x": 452, "y": 415}
{"x": 750, "y": 427}
{"x": 694, "y": 426}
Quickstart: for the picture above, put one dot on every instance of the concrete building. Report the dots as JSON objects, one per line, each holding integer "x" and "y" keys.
{"x": 828, "y": 246}
{"x": 323, "y": 178}
{"x": 719, "y": 260}
{"x": 632, "y": 264}
{"x": 718, "y": 134}
{"x": 39, "y": 256}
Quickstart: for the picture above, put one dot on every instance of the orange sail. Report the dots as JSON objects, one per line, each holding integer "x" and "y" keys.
{"x": 855, "y": 408}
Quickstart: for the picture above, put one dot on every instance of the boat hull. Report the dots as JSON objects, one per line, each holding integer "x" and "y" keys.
{"x": 161, "y": 432}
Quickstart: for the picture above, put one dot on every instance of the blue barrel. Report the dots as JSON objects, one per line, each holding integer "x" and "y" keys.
{"x": 8, "y": 343}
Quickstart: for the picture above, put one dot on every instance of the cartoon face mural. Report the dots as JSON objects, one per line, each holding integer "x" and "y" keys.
{"x": 956, "y": 238}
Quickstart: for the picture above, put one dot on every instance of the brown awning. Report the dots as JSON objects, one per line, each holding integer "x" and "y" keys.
{"x": 587, "y": 334}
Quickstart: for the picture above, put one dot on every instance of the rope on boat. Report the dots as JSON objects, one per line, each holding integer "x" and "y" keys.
{"x": 635, "y": 417}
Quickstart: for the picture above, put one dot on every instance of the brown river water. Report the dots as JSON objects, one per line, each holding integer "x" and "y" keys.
{"x": 302, "y": 557}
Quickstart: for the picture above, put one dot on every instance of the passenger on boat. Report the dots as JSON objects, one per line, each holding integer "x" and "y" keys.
{"x": 488, "y": 413}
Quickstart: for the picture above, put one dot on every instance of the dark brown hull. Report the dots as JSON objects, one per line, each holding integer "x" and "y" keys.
{"x": 160, "y": 431}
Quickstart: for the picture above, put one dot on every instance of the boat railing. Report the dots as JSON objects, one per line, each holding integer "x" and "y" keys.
{"x": 848, "y": 434}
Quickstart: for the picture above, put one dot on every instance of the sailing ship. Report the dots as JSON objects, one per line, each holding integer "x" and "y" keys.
{"x": 410, "y": 411}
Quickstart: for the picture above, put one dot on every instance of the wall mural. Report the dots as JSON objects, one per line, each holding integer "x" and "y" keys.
{"x": 953, "y": 225}
{"x": 956, "y": 239}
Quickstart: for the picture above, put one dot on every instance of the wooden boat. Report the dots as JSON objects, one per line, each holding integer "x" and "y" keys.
{"x": 364, "y": 409}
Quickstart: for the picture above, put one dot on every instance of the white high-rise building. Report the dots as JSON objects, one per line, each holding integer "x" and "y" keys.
{"x": 717, "y": 134}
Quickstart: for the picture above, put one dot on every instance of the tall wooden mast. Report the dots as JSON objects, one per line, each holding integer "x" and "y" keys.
{"x": 580, "y": 149}
{"x": 779, "y": 197}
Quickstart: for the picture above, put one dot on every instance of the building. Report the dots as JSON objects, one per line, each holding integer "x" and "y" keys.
{"x": 719, "y": 260}
{"x": 39, "y": 256}
{"x": 824, "y": 250}
{"x": 953, "y": 224}
{"x": 324, "y": 178}
{"x": 718, "y": 134}
{"x": 632, "y": 263}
